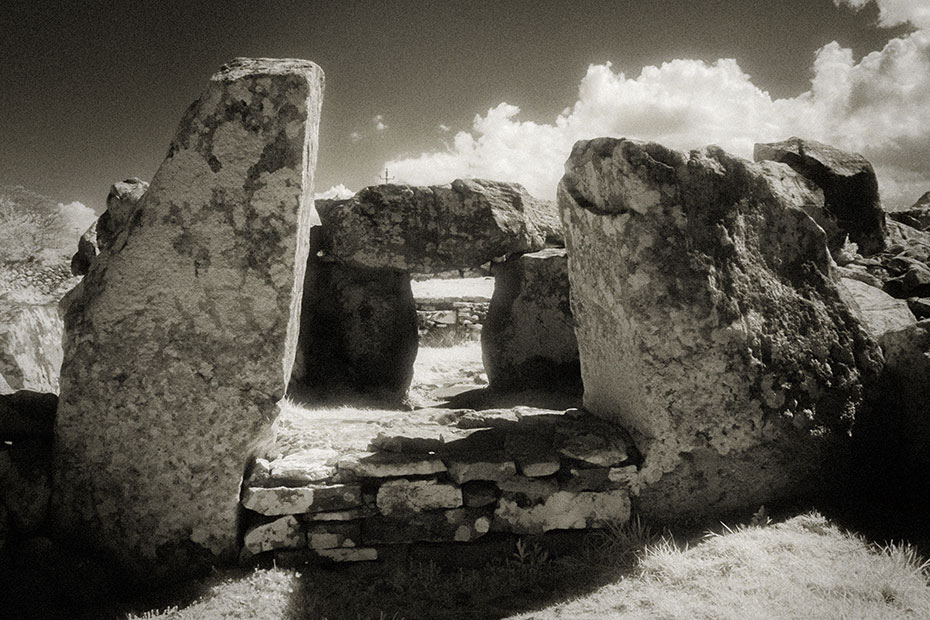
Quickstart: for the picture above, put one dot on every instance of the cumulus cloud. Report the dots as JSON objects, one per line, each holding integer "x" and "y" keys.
{"x": 876, "y": 106}
{"x": 75, "y": 218}
{"x": 336, "y": 191}
{"x": 895, "y": 12}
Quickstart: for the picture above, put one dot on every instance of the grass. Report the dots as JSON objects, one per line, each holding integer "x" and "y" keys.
{"x": 804, "y": 567}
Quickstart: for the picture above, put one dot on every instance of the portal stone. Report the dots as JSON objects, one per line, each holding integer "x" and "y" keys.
{"x": 181, "y": 341}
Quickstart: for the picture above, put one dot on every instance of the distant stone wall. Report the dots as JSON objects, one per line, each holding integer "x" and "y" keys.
{"x": 437, "y": 318}
{"x": 523, "y": 471}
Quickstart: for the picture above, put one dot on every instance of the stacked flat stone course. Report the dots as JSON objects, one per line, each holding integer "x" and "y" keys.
{"x": 523, "y": 471}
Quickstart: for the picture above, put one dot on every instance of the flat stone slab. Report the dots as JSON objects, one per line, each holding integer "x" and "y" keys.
{"x": 400, "y": 496}
{"x": 283, "y": 533}
{"x": 465, "y": 467}
{"x": 299, "y": 500}
{"x": 390, "y": 465}
{"x": 366, "y": 554}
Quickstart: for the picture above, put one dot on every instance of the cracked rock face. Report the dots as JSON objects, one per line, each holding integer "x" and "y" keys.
{"x": 437, "y": 228}
{"x": 708, "y": 321}
{"x": 182, "y": 338}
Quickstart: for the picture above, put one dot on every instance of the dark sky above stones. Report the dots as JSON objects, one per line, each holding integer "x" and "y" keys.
{"x": 93, "y": 91}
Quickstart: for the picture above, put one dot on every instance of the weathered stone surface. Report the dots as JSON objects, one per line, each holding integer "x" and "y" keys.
{"x": 389, "y": 465}
{"x": 437, "y": 228}
{"x": 182, "y": 339}
{"x": 306, "y": 467}
{"x": 25, "y": 483}
{"x": 405, "y": 496}
{"x": 480, "y": 466}
{"x": 27, "y": 414}
{"x": 30, "y": 347}
{"x": 708, "y": 322}
{"x": 274, "y": 501}
{"x": 358, "y": 330}
{"x": 283, "y": 533}
{"x": 333, "y": 535}
{"x": 591, "y": 442}
{"x": 850, "y": 190}
{"x": 563, "y": 511}
{"x": 528, "y": 338}
{"x": 457, "y": 525}
{"x": 878, "y": 311}
{"x": 121, "y": 202}
{"x": 412, "y": 439}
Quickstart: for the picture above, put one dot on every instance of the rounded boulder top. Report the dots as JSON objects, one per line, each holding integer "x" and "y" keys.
{"x": 238, "y": 68}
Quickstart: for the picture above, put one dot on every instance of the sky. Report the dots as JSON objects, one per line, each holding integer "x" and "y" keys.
{"x": 91, "y": 92}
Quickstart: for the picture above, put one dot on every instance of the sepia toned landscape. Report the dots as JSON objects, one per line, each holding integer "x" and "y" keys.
{"x": 665, "y": 356}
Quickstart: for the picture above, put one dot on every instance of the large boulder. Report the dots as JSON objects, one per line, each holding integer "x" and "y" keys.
{"x": 850, "y": 188}
{"x": 528, "y": 339}
{"x": 30, "y": 347}
{"x": 708, "y": 322}
{"x": 358, "y": 331}
{"x": 437, "y": 228}
{"x": 182, "y": 338}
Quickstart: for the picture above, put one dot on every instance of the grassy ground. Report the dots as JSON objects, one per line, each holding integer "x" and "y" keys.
{"x": 804, "y": 567}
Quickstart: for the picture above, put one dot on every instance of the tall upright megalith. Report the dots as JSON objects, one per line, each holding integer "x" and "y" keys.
{"x": 709, "y": 323}
{"x": 181, "y": 341}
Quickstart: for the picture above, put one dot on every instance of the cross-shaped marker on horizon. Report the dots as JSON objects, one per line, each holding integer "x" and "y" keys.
{"x": 386, "y": 178}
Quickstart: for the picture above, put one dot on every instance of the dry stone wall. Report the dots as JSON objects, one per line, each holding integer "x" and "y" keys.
{"x": 181, "y": 338}
{"x": 524, "y": 471}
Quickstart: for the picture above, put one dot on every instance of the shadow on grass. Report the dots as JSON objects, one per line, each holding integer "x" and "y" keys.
{"x": 493, "y": 579}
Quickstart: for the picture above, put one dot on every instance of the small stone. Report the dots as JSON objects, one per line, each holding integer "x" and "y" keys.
{"x": 388, "y": 465}
{"x": 489, "y": 418}
{"x": 623, "y": 475}
{"x": 283, "y": 533}
{"x": 487, "y": 466}
{"x": 591, "y": 448}
{"x": 563, "y": 511}
{"x": 920, "y": 306}
{"x": 410, "y": 440}
{"x": 399, "y": 496}
{"x": 298, "y": 500}
{"x": 366, "y": 554}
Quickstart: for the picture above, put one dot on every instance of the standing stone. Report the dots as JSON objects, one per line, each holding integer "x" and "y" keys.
{"x": 181, "y": 342}
{"x": 528, "y": 339}
{"x": 708, "y": 322}
{"x": 850, "y": 190}
{"x": 358, "y": 330}
{"x": 438, "y": 228}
